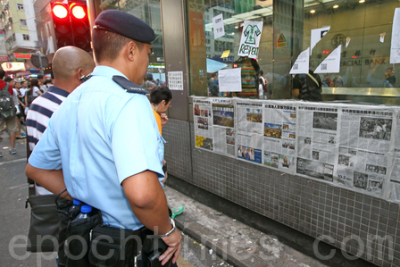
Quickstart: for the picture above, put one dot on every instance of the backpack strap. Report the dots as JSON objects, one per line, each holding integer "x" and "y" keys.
{"x": 129, "y": 86}
{"x": 6, "y": 86}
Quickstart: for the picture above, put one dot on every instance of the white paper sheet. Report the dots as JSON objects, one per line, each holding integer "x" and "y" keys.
{"x": 395, "y": 46}
{"x": 250, "y": 39}
{"x": 230, "y": 80}
{"x": 331, "y": 64}
{"x": 218, "y": 25}
{"x": 316, "y": 36}
{"x": 302, "y": 63}
{"x": 175, "y": 80}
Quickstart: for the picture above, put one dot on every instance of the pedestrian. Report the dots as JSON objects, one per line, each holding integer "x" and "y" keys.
{"x": 69, "y": 64}
{"x": 307, "y": 87}
{"x": 262, "y": 85}
{"x": 17, "y": 103}
{"x": 160, "y": 99}
{"x": 41, "y": 80}
{"x": 31, "y": 94}
{"x": 7, "y": 113}
{"x": 87, "y": 137}
{"x": 213, "y": 85}
{"x": 148, "y": 82}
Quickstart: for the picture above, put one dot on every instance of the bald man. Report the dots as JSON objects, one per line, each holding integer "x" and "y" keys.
{"x": 69, "y": 65}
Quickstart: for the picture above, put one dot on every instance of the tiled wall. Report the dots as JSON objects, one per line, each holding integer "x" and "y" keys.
{"x": 178, "y": 149}
{"x": 308, "y": 206}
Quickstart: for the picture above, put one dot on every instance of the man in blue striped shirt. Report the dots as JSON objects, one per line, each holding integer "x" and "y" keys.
{"x": 69, "y": 65}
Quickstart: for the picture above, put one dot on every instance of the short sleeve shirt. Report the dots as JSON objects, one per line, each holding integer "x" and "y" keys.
{"x": 100, "y": 136}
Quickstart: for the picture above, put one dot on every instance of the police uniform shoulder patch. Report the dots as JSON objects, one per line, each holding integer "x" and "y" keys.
{"x": 129, "y": 86}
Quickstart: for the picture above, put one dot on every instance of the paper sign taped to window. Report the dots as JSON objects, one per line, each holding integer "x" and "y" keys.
{"x": 218, "y": 24}
{"x": 331, "y": 64}
{"x": 250, "y": 40}
{"x": 302, "y": 63}
{"x": 230, "y": 80}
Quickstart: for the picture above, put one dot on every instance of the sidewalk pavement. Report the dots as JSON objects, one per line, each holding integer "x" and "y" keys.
{"x": 233, "y": 241}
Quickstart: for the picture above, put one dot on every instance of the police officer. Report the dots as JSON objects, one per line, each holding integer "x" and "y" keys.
{"x": 103, "y": 144}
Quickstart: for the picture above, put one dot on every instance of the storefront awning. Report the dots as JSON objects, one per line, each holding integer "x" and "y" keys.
{"x": 214, "y": 66}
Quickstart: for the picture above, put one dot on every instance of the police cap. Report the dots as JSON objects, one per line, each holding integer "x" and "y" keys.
{"x": 124, "y": 24}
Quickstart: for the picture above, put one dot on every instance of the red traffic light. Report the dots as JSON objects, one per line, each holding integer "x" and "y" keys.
{"x": 60, "y": 11}
{"x": 78, "y": 12}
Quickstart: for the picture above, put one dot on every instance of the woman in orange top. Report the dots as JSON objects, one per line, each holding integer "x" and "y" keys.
{"x": 160, "y": 99}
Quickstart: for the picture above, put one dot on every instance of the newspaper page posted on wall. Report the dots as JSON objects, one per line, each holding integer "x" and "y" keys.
{"x": 223, "y": 111}
{"x": 364, "y": 149}
{"x": 203, "y": 121}
{"x": 279, "y": 141}
{"x": 317, "y": 140}
{"x": 394, "y": 169}
{"x": 356, "y": 147}
{"x": 249, "y": 121}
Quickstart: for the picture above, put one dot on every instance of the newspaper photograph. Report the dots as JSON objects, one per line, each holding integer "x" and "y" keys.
{"x": 249, "y": 147}
{"x": 223, "y": 111}
{"x": 250, "y": 117}
{"x": 279, "y": 145}
{"x": 317, "y": 140}
{"x": 203, "y": 123}
{"x": 363, "y": 160}
{"x": 315, "y": 169}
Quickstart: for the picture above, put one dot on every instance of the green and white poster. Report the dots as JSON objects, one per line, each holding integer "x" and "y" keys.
{"x": 250, "y": 39}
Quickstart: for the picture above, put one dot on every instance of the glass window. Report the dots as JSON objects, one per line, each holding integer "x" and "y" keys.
{"x": 22, "y": 22}
{"x": 25, "y": 37}
{"x": 222, "y": 52}
{"x": 361, "y": 30}
{"x": 20, "y": 7}
{"x": 149, "y": 11}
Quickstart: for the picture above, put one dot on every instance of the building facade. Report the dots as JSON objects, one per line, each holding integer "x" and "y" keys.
{"x": 19, "y": 27}
{"x": 363, "y": 31}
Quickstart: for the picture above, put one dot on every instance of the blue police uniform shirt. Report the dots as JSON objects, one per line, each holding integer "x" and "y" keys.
{"x": 100, "y": 136}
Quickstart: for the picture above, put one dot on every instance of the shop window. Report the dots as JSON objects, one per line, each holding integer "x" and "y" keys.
{"x": 362, "y": 65}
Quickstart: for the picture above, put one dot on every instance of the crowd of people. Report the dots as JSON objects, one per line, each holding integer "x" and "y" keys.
{"x": 23, "y": 92}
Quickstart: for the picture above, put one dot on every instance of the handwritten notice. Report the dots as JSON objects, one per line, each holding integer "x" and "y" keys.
{"x": 218, "y": 24}
{"x": 230, "y": 80}
{"x": 250, "y": 39}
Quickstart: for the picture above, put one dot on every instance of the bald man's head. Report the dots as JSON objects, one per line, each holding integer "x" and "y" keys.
{"x": 70, "y": 63}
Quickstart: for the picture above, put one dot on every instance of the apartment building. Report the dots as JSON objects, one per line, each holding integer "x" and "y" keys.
{"x": 18, "y": 24}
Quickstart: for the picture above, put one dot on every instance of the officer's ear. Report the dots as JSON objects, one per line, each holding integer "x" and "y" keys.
{"x": 131, "y": 50}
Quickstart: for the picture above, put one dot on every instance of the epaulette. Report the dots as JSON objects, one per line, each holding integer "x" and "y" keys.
{"x": 129, "y": 86}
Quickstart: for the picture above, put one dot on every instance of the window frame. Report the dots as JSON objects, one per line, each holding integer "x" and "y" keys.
{"x": 20, "y": 7}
